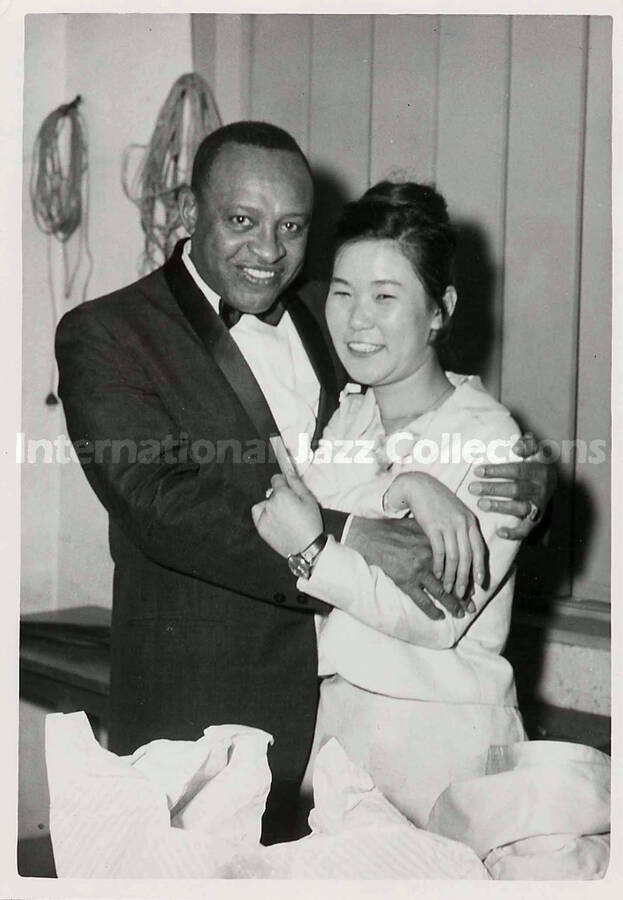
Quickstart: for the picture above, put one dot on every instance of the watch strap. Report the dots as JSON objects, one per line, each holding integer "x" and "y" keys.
{"x": 301, "y": 564}
{"x": 313, "y": 551}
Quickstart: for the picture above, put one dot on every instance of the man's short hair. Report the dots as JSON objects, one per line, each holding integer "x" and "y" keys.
{"x": 253, "y": 134}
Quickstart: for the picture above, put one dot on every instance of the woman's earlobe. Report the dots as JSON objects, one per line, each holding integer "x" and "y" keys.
{"x": 435, "y": 326}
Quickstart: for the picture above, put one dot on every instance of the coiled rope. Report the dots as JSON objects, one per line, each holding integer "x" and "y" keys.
{"x": 188, "y": 114}
{"x": 59, "y": 196}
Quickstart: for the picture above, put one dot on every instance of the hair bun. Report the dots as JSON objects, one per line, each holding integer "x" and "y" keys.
{"x": 421, "y": 199}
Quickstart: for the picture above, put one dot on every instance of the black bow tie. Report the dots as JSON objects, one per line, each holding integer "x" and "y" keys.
{"x": 230, "y": 315}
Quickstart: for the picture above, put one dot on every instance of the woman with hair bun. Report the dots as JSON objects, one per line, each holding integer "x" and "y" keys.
{"x": 415, "y": 700}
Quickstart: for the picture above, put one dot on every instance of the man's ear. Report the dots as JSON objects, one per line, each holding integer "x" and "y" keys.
{"x": 187, "y": 205}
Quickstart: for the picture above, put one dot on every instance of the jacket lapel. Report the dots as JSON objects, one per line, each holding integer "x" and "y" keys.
{"x": 315, "y": 345}
{"x": 212, "y": 332}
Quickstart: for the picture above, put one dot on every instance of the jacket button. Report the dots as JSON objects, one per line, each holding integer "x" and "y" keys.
{"x": 301, "y": 598}
{"x": 280, "y": 598}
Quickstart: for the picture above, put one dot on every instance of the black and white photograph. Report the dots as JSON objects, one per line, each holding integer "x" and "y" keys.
{"x": 311, "y": 449}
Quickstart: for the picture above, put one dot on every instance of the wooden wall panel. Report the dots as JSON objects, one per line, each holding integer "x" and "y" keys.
{"x": 339, "y": 144}
{"x": 542, "y": 227}
{"x": 592, "y": 499}
{"x": 280, "y": 72}
{"x": 204, "y": 49}
{"x": 404, "y": 96}
{"x": 340, "y": 111}
{"x": 545, "y": 147}
{"x": 471, "y": 173}
{"x": 233, "y": 66}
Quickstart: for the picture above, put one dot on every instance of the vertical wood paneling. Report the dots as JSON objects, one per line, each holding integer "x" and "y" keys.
{"x": 542, "y": 242}
{"x": 233, "y": 65}
{"x": 545, "y": 130}
{"x": 340, "y": 111}
{"x": 404, "y": 96}
{"x": 339, "y": 143}
{"x": 203, "y": 37}
{"x": 280, "y": 89}
{"x": 592, "y": 519}
{"x": 45, "y": 56}
{"x": 471, "y": 173}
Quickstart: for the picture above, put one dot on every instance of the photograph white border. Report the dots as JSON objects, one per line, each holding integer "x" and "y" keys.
{"x": 11, "y": 62}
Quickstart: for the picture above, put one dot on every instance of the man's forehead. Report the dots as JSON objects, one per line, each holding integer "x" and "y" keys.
{"x": 242, "y": 166}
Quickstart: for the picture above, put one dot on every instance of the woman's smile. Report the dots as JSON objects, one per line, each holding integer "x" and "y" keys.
{"x": 363, "y": 348}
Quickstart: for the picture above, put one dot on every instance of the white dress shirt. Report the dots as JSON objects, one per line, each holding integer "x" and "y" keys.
{"x": 279, "y": 363}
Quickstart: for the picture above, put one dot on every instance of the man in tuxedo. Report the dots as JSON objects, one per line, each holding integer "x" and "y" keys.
{"x": 172, "y": 387}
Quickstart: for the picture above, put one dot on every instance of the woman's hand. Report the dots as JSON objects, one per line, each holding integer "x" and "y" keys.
{"x": 290, "y": 518}
{"x": 451, "y": 528}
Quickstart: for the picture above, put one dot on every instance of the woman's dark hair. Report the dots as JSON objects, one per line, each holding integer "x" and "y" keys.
{"x": 415, "y": 216}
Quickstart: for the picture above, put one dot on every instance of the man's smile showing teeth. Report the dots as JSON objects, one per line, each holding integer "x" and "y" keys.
{"x": 361, "y": 347}
{"x": 259, "y": 274}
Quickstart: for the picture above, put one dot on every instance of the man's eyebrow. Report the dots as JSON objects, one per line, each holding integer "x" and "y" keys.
{"x": 256, "y": 211}
{"x": 246, "y": 207}
{"x": 335, "y": 279}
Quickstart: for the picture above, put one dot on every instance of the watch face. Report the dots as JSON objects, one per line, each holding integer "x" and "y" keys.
{"x": 299, "y": 566}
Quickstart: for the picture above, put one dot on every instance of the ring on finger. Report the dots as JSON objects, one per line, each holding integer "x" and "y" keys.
{"x": 533, "y": 513}
{"x": 269, "y": 493}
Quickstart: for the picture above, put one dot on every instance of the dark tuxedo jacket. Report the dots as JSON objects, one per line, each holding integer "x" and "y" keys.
{"x": 171, "y": 429}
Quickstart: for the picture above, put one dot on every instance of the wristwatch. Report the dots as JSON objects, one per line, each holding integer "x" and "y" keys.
{"x": 302, "y": 564}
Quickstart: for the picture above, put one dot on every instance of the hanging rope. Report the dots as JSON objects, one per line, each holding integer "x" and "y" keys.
{"x": 186, "y": 117}
{"x": 59, "y": 196}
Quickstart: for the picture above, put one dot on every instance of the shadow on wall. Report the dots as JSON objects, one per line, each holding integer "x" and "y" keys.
{"x": 558, "y": 549}
{"x": 469, "y": 346}
{"x": 330, "y": 195}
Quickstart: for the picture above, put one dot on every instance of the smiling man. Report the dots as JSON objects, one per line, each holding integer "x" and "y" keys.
{"x": 248, "y": 211}
{"x": 202, "y": 361}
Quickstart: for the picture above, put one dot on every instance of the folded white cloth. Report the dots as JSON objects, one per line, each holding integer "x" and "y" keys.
{"x": 345, "y": 797}
{"x": 177, "y": 809}
{"x": 551, "y": 857}
{"x": 193, "y": 809}
{"x": 540, "y": 809}
{"x": 358, "y": 834}
{"x": 217, "y": 784}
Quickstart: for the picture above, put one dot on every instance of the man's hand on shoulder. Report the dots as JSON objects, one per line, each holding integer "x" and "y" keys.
{"x": 400, "y": 548}
{"x": 521, "y": 489}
